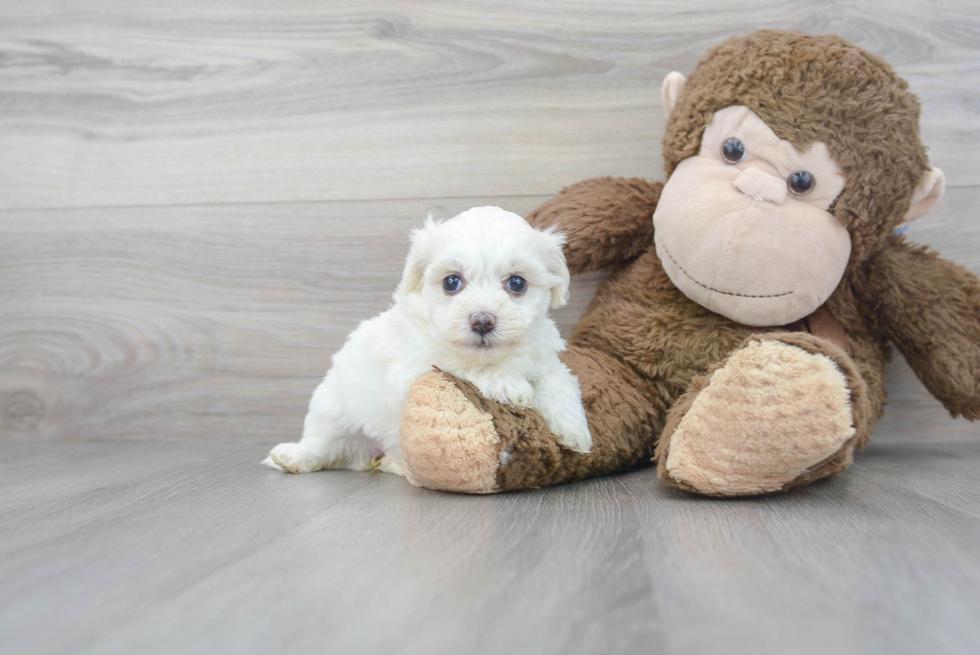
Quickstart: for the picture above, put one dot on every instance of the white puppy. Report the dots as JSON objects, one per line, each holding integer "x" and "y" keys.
{"x": 473, "y": 301}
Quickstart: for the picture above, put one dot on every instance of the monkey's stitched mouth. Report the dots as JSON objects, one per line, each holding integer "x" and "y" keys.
{"x": 705, "y": 286}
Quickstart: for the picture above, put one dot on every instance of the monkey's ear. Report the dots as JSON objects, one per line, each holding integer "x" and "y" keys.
{"x": 418, "y": 257}
{"x": 927, "y": 193}
{"x": 671, "y": 90}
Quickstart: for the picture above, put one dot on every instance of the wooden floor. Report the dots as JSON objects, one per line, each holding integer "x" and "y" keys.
{"x": 181, "y": 548}
{"x": 198, "y": 202}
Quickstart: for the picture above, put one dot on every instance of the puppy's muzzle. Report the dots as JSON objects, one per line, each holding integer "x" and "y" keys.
{"x": 482, "y": 323}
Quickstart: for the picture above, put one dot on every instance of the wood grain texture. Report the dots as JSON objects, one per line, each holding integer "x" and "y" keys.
{"x": 192, "y": 548}
{"x": 145, "y": 103}
{"x": 216, "y": 322}
{"x": 206, "y": 323}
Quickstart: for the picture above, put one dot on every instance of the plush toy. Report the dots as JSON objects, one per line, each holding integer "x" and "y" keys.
{"x": 743, "y": 335}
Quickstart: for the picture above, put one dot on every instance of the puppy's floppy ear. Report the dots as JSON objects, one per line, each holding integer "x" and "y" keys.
{"x": 419, "y": 257}
{"x": 554, "y": 261}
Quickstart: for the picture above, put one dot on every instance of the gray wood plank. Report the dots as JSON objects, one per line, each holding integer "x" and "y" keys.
{"x": 206, "y": 323}
{"x": 216, "y": 322}
{"x": 105, "y": 104}
{"x": 193, "y": 548}
{"x": 873, "y": 564}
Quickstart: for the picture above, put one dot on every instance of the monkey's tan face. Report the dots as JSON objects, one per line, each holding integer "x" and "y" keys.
{"x": 743, "y": 228}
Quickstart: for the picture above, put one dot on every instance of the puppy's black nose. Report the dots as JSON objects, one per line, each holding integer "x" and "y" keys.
{"x": 482, "y": 323}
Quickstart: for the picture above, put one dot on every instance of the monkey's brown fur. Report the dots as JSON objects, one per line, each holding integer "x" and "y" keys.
{"x": 643, "y": 352}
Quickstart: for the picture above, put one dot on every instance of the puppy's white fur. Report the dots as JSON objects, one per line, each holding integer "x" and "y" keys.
{"x": 354, "y": 414}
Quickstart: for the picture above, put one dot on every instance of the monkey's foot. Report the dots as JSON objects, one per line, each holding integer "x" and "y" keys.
{"x": 774, "y": 416}
{"x": 447, "y": 442}
{"x": 455, "y": 439}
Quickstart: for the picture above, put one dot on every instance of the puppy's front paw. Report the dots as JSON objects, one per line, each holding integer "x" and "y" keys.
{"x": 509, "y": 390}
{"x": 566, "y": 419}
{"x": 295, "y": 458}
{"x": 573, "y": 433}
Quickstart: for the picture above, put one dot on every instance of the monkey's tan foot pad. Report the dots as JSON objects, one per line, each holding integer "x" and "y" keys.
{"x": 446, "y": 441}
{"x": 774, "y": 416}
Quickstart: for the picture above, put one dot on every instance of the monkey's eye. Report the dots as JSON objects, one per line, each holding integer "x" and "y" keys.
{"x": 801, "y": 182}
{"x": 452, "y": 284}
{"x": 733, "y": 150}
{"x": 516, "y": 284}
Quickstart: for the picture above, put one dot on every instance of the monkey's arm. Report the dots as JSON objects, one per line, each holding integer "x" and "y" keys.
{"x": 606, "y": 220}
{"x": 930, "y": 308}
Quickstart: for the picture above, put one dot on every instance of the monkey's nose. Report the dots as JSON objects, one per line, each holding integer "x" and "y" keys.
{"x": 758, "y": 184}
{"x": 482, "y": 323}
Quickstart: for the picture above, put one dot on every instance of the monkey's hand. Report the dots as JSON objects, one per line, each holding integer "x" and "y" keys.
{"x": 606, "y": 220}
{"x": 930, "y": 308}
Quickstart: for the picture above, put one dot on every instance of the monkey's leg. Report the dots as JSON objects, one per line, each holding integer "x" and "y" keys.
{"x": 783, "y": 410}
{"x": 454, "y": 439}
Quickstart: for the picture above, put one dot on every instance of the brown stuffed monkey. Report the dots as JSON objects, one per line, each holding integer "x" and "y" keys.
{"x": 743, "y": 335}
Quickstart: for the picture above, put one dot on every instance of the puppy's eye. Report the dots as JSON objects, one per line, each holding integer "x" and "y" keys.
{"x": 733, "y": 150}
{"x": 516, "y": 284}
{"x": 452, "y": 284}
